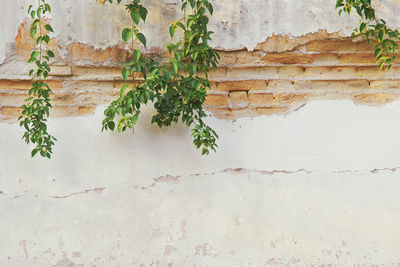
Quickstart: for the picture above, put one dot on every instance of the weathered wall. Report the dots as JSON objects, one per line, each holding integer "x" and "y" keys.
{"x": 315, "y": 182}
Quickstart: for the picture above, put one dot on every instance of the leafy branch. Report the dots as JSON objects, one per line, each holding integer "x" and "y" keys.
{"x": 177, "y": 86}
{"x": 36, "y": 109}
{"x": 373, "y": 29}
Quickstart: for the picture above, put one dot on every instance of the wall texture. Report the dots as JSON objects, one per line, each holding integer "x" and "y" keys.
{"x": 306, "y": 174}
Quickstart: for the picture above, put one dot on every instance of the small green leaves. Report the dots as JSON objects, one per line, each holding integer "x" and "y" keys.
{"x": 37, "y": 105}
{"x": 373, "y": 29}
{"x": 141, "y": 38}
{"x": 177, "y": 86}
{"x": 172, "y": 31}
{"x": 125, "y": 74}
{"x": 136, "y": 55}
{"x": 127, "y": 34}
{"x": 50, "y": 53}
{"x": 48, "y": 27}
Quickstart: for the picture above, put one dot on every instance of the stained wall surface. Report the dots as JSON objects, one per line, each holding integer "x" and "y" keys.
{"x": 307, "y": 171}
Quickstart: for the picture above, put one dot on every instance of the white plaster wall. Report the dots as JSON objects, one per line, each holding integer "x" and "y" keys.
{"x": 319, "y": 186}
{"x": 90, "y": 23}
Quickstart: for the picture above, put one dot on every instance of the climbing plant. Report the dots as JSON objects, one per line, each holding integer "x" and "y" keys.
{"x": 37, "y": 105}
{"x": 177, "y": 86}
{"x": 373, "y": 29}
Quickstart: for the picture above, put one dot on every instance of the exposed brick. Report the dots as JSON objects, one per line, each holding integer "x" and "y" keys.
{"x": 358, "y": 58}
{"x": 217, "y": 74}
{"x": 305, "y": 85}
{"x": 290, "y": 98}
{"x": 375, "y": 99}
{"x": 260, "y": 99}
{"x": 61, "y": 71}
{"x": 26, "y": 85}
{"x": 239, "y": 99}
{"x": 93, "y": 99}
{"x": 227, "y": 58}
{"x": 337, "y": 45}
{"x": 253, "y": 73}
{"x": 246, "y": 57}
{"x": 325, "y": 59}
{"x": 280, "y": 43}
{"x": 98, "y": 73}
{"x": 329, "y": 72}
{"x": 242, "y": 85}
{"x": 84, "y": 111}
{"x": 11, "y": 112}
{"x": 357, "y": 84}
{"x": 63, "y": 99}
{"x": 217, "y": 100}
{"x": 12, "y": 99}
{"x": 389, "y": 84}
{"x": 288, "y": 58}
{"x": 18, "y": 85}
{"x": 280, "y": 85}
{"x": 270, "y": 110}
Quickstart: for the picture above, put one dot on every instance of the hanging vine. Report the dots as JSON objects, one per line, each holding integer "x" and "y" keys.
{"x": 373, "y": 29}
{"x": 178, "y": 86}
{"x": 36, "y": 109}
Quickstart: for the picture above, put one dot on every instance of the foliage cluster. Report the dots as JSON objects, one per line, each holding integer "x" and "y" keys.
{"x": 178, "y": 85}
{"x": 373, "y": 29}
{"x": 36, "y": 109}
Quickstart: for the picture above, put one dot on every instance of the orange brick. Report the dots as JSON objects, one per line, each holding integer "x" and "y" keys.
{"x": 11, "y": 112}
{"x": 250, "y": 58}
{"x": 288, "y": 58}
{"x": 357, "y": 84}
{"x": 217, "y": 100}
{"x": 97, "y": 73}
{"x": 319, "y": 85}
{"x": 70, "y": 111}
{"x": 84, "y": 111}
{"x": 93, "y": 99}
{"x": 280, "y": 84}
{"x": 325, "y": 59}
{"x": 260, "y": 99}
{"x": 270, "y": 110}
{"x": 389, "y": 84}
{"x": 253, "y": 73}
{"x": 375, "y": 99}
{"x": 60, "y": 70}
{"x": 26, "y": 84}
{"x": 358, "y": 58}
{"x": 12, "y": 99}
{"x": 243, "y": 85}
{"x": 337, "y": 45}
{"x": 289, "y": 98}
{"x": 227, "y": 58}
{"x": 18, "y": 85}
{"x": 63, "y": 99}
{"x": 239, "y": 99}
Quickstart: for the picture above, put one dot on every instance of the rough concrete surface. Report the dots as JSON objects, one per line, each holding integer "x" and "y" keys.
{"x": 317, "y": 187}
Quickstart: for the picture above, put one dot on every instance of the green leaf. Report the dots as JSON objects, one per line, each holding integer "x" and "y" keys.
{"x": 123, "y": 88}
{"x": 174, "y": 66}
{"x": 135, "y": 16}
{"x": 141, "y": 38}
{"x": 136, "y": 55}
{"x": 125, "y": 74}
{"x": 127, "y": 34}
{"x": 49, "y": 28}
{"x": 172, "y": 31}
{"x": 50, "y": 53}
{"x": 143, "y": 13}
